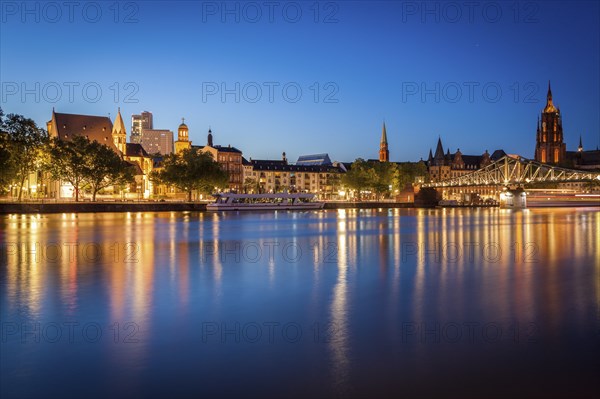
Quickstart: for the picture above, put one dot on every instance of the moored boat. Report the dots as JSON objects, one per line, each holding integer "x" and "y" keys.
{"x": 276, "y": 201}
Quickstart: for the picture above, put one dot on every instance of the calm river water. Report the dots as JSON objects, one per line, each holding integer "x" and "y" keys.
{"x": 347, "y": 303}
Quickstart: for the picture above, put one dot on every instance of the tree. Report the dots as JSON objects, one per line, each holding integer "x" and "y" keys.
{"x": 8, "y": 167}
{"x": 408, "y": 172}
{"x": 375, "y": 176}
{"x": 191, "y": 170}
{"x": 382, "y": 176}
{"x": 358, "y": 177}
{"x": 67, "y": 161}
{"x": 104, "y": 168}
{"x": 83, "y": 162}
{"x": 250, "y": 185}
{"x": 21, "y": 147}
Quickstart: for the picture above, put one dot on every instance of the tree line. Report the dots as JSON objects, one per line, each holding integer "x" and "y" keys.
{"x": 381, "y": 178}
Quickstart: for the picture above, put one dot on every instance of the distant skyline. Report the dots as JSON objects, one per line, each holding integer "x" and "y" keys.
{"x": 427, "y": 72}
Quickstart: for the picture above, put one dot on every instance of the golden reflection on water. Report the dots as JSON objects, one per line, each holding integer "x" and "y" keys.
{"x": 523, "y": 261}
{"x": 339, "y": 310}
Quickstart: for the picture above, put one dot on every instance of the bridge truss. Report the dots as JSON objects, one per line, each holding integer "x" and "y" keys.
{"x": 515, "y": 170}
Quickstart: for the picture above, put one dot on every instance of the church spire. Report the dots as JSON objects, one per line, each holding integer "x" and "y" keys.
{"x": 119, "y": 133}
{"x": 384, "y": 135}
{"x": 580, "y": 148}
{"x": 439, "y": 150}
{"x": 549, "y": 104}
{"x": 384, "y": 154}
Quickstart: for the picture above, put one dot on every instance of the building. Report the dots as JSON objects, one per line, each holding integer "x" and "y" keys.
{"x": 230, "y": 159}
{"x": 102, "y": 130}
{"x": 183, "y": 138}
{"x": 139, "y": 123}
{"x": 442, "y": 166}
{"x": 157, "y": 141}
{"x": 271, "y": 176}
{"x": 384, "y": 154}
{"x": 582, "y": 159}
{"x": 314, "y": 159}
{"x": 549, "y": 146}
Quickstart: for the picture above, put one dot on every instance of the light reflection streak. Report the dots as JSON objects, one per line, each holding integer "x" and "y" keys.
{"x": 339, "y": 345}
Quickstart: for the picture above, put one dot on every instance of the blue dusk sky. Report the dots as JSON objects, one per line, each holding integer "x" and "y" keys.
{"x": 311, "y": 77}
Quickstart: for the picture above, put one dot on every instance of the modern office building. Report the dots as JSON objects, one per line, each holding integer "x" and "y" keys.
{"x": 157, "y": 141}
{"x": 139, "y": 123}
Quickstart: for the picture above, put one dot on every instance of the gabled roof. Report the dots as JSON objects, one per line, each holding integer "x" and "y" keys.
{"x": 137, "y": 171}
{"x": 496, "y": 155}
{"x": 471, "y": 159}
{"x": 135, "y": 150}
{"x": 226, "y": 149}
{"x": 98, "y": 128}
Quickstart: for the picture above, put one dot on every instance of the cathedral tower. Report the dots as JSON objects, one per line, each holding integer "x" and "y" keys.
{"x": 550, "y": 147}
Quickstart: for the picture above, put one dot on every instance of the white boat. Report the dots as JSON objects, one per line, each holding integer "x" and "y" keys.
{"x": 277, "y": 201}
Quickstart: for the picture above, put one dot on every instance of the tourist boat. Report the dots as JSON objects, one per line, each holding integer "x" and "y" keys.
{"x": 277, "y": 201}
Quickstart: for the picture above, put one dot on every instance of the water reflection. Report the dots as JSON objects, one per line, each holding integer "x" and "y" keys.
{"x": 346, "y": 270}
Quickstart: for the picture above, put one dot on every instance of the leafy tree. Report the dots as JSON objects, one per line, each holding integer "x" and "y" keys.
{"x": 251, "y": 185}
{"x": 375, "y": 176}
{"x": 408, "y": 172}
{"x": 382, "y": 177}
{"x": 21, "y": 148}
{"x": 358, "y": 177}
{"x": 191, "y": 170}
{"x": 104, "y": 168}
{"x": 7, "y": 165}
{"x": 67, "y": 161}
{"x": 84, "y": 162}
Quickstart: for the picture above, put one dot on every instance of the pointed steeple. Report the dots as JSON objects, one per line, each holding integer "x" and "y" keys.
{"x": 384, "y": 153}
{"x": 549, "y": 105}
{"x": 384, "y": 135}
{"x": 119, "y": 133}
{"x": 430, "y": 158}
{"x": 119, "y": 126}
{"x": 580, "y": 148}
{"x": 439, "y": 150}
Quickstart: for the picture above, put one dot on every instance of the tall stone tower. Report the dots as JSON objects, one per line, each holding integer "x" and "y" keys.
{"x": 384, "y": 154}
{"x": 183, "y": 140}
{"x": 549, "y": 147}
{"x": 119, "y": 134}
